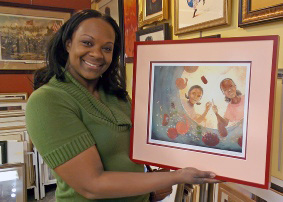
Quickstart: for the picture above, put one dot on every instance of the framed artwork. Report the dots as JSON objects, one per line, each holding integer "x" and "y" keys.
{"x": 227, "y": 193}
{"x": 193, "y": 15}
{"x": 114, "y": 8}
{"x": 12, "y": 182}
{"x": 3, "y": 152}
{"x": 6, "y": 107}
{"x": 204, "y": 108}
{"x": 24, "y": 36}
{"x": 156, "y": 33}
{"x": 151, "y": 11}
{"x": 111, "y": 8}
{"x": 130, "y": 28}
{"x": 13, "y": 96}
{"x": 257, "y": 11}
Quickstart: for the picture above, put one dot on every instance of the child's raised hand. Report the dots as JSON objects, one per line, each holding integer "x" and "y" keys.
{"x": 215, "y": 109}
{"x": 208, "y": 105}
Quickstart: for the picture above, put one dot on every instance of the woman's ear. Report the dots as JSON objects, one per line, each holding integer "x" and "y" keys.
{"x": 68, "y": 45}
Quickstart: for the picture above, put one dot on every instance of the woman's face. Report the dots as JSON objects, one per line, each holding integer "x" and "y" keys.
{"x": 229, "y": 88}
{"x": 90, "y": 49}
{"x": 195, "y": 95}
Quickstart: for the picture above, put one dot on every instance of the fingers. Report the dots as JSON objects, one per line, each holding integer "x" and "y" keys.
{"x": 205, "y": 174}
{"x": 202, "y": 177}
{"x": 205, "y": 180}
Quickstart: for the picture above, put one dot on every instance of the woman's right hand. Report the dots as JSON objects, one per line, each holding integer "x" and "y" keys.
{"x": 194, "y": 176}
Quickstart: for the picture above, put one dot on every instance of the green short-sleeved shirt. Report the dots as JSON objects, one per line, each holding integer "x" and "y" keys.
{"x": 63, "y": 119}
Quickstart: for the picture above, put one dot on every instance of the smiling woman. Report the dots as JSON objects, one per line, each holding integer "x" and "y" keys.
{"x": 90, "y": 52}
{"x": 79, "y": 118}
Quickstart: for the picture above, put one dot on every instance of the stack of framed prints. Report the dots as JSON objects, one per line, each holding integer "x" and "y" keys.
{"x": 16, "y": 145}
{"x": 202, "y": 103}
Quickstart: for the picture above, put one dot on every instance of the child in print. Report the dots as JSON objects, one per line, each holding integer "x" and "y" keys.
{"x": 236, "y": 102}
{"x": 194, "y": 96}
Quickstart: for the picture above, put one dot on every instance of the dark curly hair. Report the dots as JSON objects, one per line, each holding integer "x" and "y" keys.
{"x": 113, "y": 79}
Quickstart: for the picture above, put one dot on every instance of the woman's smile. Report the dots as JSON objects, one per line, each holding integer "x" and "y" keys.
{"x": 92, "y": 65}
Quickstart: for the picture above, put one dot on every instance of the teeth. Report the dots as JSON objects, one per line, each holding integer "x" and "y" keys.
{"x": 90, "y": 64}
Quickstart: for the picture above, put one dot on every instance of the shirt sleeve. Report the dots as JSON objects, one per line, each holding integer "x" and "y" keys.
{"x": 55, "y": 127}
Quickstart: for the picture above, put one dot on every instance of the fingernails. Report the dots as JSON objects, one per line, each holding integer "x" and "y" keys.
{"x": 212, "y": 175}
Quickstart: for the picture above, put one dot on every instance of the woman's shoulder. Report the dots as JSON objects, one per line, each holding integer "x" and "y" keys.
{"x": 46, "y": 92}
{"x": 48, "y": 95}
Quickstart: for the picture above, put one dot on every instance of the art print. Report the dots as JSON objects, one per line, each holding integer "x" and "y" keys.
{"x": 200, "y": 106}
{"x": 257, "y": 11}
{"x": 194, "y": 15}
{"x": 153, "y": 7}
{"x": 111, "y": 8}
{"x": 130, "y": 27}
{"x": 24, "y": 38}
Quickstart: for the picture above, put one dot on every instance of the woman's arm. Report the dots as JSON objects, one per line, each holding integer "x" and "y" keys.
{"x": 85, "y": 174}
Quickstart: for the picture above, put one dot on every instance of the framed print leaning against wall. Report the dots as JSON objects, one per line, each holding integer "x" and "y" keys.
{"x": 258, "y": 11}
{"x": 204, "y": 108}
{"x": 193, "y": 15}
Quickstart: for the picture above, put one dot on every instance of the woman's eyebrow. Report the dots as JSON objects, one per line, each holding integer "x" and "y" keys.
{"x": 87, "y": 36}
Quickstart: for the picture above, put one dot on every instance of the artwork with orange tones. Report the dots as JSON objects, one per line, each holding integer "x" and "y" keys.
{"x": 130, "y": 26}
{"x": 192, "y": 106}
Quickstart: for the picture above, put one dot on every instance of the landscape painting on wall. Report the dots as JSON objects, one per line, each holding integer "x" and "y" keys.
{"x": 24, "y": 38}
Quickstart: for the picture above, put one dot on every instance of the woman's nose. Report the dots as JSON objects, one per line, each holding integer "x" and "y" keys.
{"x": 96, "y": 53}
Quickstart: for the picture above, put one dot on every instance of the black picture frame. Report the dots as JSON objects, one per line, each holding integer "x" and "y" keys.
{"x": 163, "y": 27}
{"x": 3, "y": 150}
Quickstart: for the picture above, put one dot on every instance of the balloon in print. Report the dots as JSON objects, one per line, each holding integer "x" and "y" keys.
{"x": 181, "y": 83}
{"x": 190, "y": 69}
{"x": 172, "y": 133}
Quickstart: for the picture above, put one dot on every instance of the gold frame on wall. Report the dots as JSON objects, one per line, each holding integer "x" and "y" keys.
{"x": 249, "y": 17}
{"x": 10, "y": 10}
{"x": 162, "y": 15}
{"x": 225, "y": 20}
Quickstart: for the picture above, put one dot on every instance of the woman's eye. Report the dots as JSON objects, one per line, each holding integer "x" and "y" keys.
{"x": 108, "y": 49}
{"x": 87, "y": 43}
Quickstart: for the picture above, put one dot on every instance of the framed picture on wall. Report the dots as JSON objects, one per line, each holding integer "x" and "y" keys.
{"x": 24, "y": 36}
{"x": 203, "y": 108}
{"x": 151, "y": 11}
{"x": 156, "y": 33}
{"x": 193, "y": 15}
{"x": 130, "y": 28}
{"x": 114, "y": 8}
{"x": 258, "y": 11}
